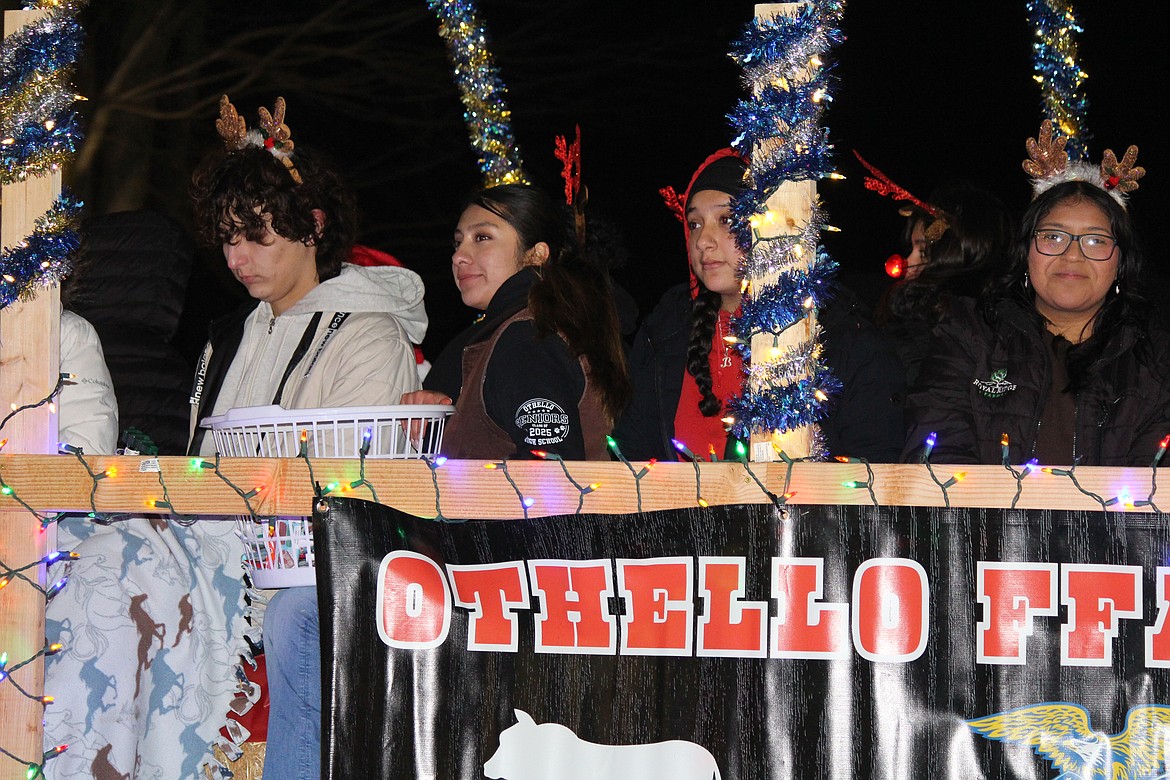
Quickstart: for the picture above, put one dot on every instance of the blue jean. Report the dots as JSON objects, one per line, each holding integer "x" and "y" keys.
{"x": 292, "y": 648}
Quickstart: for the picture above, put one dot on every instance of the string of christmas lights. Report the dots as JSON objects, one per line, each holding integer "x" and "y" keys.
{"x": 482, "y": 92}
{"x": 43, "y": 258}
{"x": 779, "y": 129}
{"x": 1054, "y": 58}
{"x": 786, "y": 364}
{"x": 771, "y": 254}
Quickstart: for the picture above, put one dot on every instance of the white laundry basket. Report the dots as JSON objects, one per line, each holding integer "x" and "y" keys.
{"x": 279, "y": 550}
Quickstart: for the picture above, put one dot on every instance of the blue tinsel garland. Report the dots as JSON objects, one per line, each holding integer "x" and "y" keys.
{"x": 1054, "y": 60}
{"x": 39, "y": 50}
{"x": 39, "y": 131}
{"x": 783, "y": 45}
{"x": 34, "y": 148}
{"x": 784, "y": 408}
{"x": 780, "y": 129}
{"x": 777, "y": 307}
{"x": 44, "y": 257}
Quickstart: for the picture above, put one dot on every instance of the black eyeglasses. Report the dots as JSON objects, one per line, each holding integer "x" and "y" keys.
{"x": 1094, "y": 246}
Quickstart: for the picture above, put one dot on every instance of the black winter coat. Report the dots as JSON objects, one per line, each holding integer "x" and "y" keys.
{"x": 866, "y": 420}
{"x": 981, "y": 380}
{"x": 130, "y": 285}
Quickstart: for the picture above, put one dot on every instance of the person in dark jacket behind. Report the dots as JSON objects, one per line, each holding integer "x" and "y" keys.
{"x": 959, "y": 242}
{"x": 131, "y": 278}
{"x": 544, "y": 367}
{"x": 684, "y": 372}
{"x": 1061, "y": 355}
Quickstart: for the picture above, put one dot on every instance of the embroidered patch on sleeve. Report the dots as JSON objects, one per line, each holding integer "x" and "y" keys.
{"x": 542, "y": 421}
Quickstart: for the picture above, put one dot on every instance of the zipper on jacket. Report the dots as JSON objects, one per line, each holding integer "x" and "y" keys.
{"x": 271, "y": 325}
{"x": 1041, "y": 400}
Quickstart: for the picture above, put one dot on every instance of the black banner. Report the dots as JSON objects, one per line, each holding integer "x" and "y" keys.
{"x": 731, "y": 642}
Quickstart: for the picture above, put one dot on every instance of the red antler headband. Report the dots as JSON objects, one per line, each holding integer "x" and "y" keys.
{"x": 884, "y": 185}
{"x": 576, "y": 194}
{"x": 675, "y": 202}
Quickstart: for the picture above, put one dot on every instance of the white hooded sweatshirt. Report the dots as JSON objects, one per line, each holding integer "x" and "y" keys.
{"x": 365, "y": 359}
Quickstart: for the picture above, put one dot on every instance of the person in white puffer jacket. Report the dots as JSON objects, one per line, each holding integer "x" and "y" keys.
{"x": 158, "y": 630}
{"x": 324, "y": 333}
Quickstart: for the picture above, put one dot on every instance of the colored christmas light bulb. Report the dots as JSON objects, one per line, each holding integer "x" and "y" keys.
{"x": 56, "y": 587}
{"x": 956, "y": 478}
{"x": 1162, "y": 445}
{"x": 649, "y": 465}
{"x": 678, "y": 445}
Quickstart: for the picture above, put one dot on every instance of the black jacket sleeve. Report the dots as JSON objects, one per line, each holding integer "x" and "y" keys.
{"x": 532, "y": 389}
{"x": 867, "y": 418}
{"x": 941, "y": 401}
{"x": 657, "y": 364}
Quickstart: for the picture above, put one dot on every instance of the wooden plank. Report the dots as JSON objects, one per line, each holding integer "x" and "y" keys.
{"x": 468, "y": 490}
{"x": 29, "y": 346}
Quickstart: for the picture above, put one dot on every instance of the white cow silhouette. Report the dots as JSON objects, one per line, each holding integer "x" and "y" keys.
{"x": 550, "y": 751}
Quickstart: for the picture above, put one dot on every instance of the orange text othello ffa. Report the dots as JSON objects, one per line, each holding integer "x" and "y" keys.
{"x": 696, "y": 606}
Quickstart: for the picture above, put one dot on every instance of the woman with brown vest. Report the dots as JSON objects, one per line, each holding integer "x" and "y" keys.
{"x": 543, "y": 367}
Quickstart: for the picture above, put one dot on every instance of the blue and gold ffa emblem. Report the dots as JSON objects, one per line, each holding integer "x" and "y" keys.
{"x": 1062, "y": 734}
{"x": 995, "y": 387}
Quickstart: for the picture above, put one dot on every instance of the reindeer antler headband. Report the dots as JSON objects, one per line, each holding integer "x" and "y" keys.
{"x": 883, "y": 185}
{"x": 273, "y": 134}
{"x": 576, "y": 193}
{"x": 1048, "y": 165}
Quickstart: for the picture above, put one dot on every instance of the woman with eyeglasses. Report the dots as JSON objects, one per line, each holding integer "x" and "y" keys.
{"x": 1060, "y": 355}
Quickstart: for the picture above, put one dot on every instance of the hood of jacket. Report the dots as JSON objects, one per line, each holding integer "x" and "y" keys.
{"x": 385, "y": 289}
{"x": 686, "y": 197}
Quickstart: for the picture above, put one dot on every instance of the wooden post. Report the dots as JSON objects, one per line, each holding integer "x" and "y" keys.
{"x": 29, "y": 360}
{"x": 789, "y": 208}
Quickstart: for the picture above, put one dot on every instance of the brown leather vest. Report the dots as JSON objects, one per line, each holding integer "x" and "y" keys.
{"x": 471, "y": 433}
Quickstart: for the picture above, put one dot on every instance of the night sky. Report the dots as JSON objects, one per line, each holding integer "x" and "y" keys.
{"x": 928, "y": 91}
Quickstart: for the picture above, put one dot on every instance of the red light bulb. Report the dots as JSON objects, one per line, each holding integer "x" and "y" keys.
{"x": 896, "y": 266}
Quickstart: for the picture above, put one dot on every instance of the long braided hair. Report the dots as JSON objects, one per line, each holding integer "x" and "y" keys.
{"x": 722, "y": 171}
{"x": 704, "y": 314}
